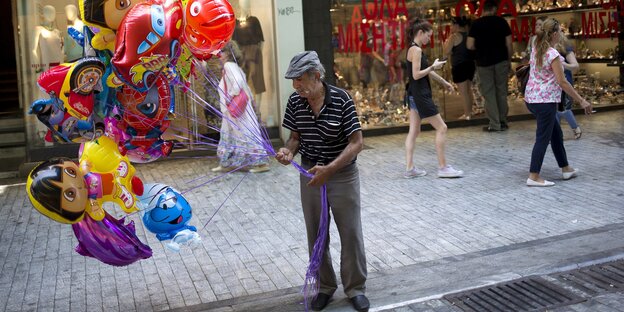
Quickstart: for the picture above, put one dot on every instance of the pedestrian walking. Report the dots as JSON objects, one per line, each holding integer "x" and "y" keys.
{"x": 462, "y": 61}
{"x": 490, "y": 37}
{"x": 240, "y": 143}
{"x": 570, "y": 65}
{"x": 326, "y": 132}
{"x": 420, "y": 101}
{"x": 542, "y": 96}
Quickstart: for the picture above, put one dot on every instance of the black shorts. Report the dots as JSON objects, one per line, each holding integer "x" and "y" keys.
{"x": 424, "y": 108}
{"x": 463, "y": 71}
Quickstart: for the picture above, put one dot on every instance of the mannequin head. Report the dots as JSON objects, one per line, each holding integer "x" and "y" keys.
{"x": 241, "y": 7}
{"x": 71, "y": 11}
{"x": 49, "y": 14}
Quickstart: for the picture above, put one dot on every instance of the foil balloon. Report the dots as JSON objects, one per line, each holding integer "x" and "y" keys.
{"x": 68, "y": 112}
{"x": 167, "y": 212}
{"x": 143, "y": 120}
{"x": 111, "y": 175}
{"x": 209, "y": 25}
{"x": 184, "y": 238}
{"x": 144, "y": 113}
{"x": 110, "y": 241}
{"x": 58, "y": 190}
{"x": 106, "y": 16}
{"x": 147, "y": 42}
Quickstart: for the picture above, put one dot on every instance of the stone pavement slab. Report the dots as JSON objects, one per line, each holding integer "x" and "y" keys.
{"x": 255, "y": 244}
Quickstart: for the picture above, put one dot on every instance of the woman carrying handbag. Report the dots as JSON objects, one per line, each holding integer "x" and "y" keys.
{"x": 240, "y": 143}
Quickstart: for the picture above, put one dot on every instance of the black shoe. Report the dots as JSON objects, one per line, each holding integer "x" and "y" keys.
{"x": 488, "y": 129}
{"x": 320, "y": 302}
{"x": 504, "y": 126}
{"x": 360, "y": 303}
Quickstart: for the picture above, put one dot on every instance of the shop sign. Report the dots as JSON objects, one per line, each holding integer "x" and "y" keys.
{"x": 373, "y": 26}
{"x": 595, "y": 24}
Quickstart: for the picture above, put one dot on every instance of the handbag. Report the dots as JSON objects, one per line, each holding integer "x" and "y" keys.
{"x": 238, "y": 103}
{"x": 522, "y": 74}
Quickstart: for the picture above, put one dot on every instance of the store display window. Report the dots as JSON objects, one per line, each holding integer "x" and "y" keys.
{"x": 44, "y": 40}
{"x": 369, "y": 42}
{"x": 254, "y": 36}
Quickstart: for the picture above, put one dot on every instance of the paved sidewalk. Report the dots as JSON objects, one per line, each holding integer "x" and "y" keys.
{"x": 254, "y": 247}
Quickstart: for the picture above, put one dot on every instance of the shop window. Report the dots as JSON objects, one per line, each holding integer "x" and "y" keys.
{"x": 43, "y": 42}
{"x": 369, "y": 42}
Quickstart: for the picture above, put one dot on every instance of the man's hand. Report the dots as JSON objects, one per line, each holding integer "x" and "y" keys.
{"x": 321, "y": 175}
{"x": 284, "y": 156}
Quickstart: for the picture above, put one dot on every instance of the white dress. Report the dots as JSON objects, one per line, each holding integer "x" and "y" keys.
{"x": 241, "y": 139}
{"x": 49, "y": 47}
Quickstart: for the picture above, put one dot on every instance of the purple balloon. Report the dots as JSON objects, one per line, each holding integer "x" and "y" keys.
{"x": 109, "y": 241}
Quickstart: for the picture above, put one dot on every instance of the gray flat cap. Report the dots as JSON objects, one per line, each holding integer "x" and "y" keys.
{"x": 301, "y": 63}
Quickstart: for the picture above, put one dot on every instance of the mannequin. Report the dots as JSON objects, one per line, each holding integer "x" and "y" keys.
{"x": 47, "y": 43}
{"x": 248, "y": 35}
{"x": 72, "y": 49}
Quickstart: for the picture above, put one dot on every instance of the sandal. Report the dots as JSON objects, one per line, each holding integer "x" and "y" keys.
{"x": 577, "y": 133}
{"x": 258, "y": 169}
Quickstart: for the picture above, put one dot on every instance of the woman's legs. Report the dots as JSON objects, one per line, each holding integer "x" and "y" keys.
{"x": 545, "y": 115}
{"x": 569, "y": 116}
{"x": 556, "y": 143}
{"x": 410, "y": 140}
{"x": 440, "y": 139}
{"x": 465, "y": 89}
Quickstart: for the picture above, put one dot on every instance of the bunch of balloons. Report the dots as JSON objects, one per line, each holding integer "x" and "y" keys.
{"x": 136, "y": 51}
{"x": 117, "y": 101}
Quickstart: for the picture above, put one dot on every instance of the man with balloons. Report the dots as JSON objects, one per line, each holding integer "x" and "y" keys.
{"x": 117, "y": 101}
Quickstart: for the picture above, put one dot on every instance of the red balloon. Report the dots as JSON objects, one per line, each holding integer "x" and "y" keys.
{"x": 147, "y": 42}
{"x": 145, "y": 111}
{"x": 209, "y": 26}
{"x": 143, "y": 121}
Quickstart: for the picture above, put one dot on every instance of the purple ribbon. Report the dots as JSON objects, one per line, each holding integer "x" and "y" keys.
{"x": 311, "y": 282}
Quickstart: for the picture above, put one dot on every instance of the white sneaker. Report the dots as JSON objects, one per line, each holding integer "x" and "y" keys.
{"x": 449, "y": 172}
{"x": 530, "y": 182}
{"x": 414, "y": 172}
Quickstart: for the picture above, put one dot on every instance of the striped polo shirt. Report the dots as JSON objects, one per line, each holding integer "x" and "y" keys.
{"x": 322, "y": 139}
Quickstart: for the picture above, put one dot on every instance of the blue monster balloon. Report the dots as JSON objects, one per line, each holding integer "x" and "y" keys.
{"x": 167, "y": 212}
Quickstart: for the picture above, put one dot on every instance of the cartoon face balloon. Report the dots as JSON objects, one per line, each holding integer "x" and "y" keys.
{"x": 105, "y": 13}
{"x": 147, "y": 41}
{"x": 71, "y": 87}
{"x": 144, "y": 111}
{"x": 58, "y": 190}
{"x": 167, "y": 211}
{"x": 209, "y": 26}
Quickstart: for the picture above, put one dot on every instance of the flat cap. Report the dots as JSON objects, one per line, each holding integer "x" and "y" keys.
{"x": 301, "y": 63}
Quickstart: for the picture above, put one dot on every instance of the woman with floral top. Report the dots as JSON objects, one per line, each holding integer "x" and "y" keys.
{"x": 542, "y": 95}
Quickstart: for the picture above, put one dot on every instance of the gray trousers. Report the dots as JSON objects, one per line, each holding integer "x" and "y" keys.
{"x": 494, "y": 88}
{"x": 343, "y": 195}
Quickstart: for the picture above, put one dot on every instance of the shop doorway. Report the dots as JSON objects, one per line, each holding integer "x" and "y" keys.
{"x": 9, "y": 94}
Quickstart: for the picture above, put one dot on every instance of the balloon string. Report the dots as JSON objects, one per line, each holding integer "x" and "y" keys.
{"x": 311, "y": 283}
{"x": 225, "y": 200}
